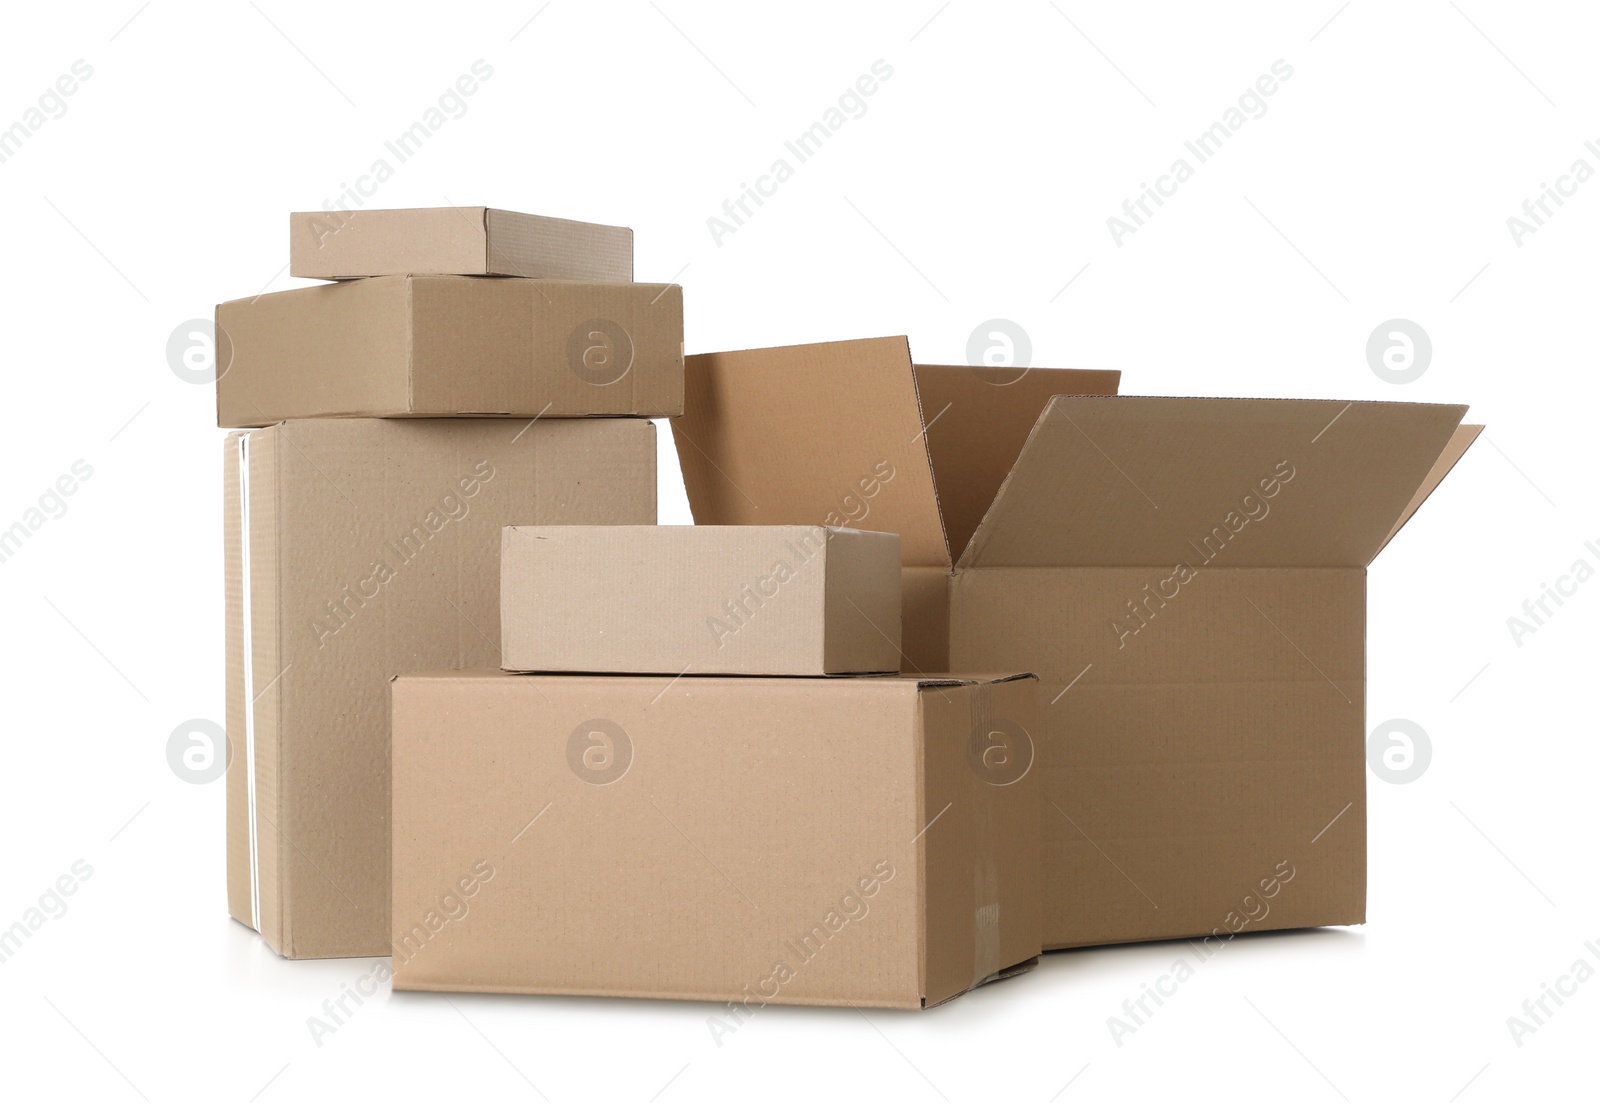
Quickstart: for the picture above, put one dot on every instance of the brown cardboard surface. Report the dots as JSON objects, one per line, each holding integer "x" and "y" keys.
{"x": 852, "y": 433}
{"x": 462, "y": 241}
{"x": 749, "y": 840}
{"x": 924, "y": 619}
{"x": 687, "y": 599}
{"x": 1186, "y": 576}
{"x": 1180, "y": 770}
{"x": 357, "y": 549}
{"x": 978, "y": 419}
{"x": 1137, "y": 479}
{"x": 447, "y": 346}
{"x": 872, "y": 472}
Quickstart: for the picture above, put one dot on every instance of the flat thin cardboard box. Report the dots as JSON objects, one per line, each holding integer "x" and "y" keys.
{"x": 459, "y": 241}
{"x": 356, "y": 550}
{"x": 864, "y": 841}
{"x": 451, "y": 346}
{"x": 700, "y": 599}
{"x": 1186, "y": 576}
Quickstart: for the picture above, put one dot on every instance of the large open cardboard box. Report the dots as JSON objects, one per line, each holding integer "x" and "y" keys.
{"x": 1186, "y": 576}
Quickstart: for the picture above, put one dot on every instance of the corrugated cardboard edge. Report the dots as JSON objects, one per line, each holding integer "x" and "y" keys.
{"x": 256, "y": 894}
{"x": 406, "y": 985}
{"x": 218, "y": 332}
{"x": 927, "y": 456}
{"x": 481, "y": 214}
{"x": 266, "y": 687}
{"x": 919, "y": 746}
{"x": 239, "y": 875}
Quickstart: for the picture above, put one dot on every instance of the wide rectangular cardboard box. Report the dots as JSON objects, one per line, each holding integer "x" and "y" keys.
{"x": 356, "y": 550}
{"x": 460, "y": 241}
{"x": 451, "y": 346}
{"x": 1186, "y": 576}
{"x": 866, "y": 841}
{"x": 700, "y": 599}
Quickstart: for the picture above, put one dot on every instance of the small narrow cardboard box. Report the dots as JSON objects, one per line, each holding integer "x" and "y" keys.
{"x": 358, "y": 549}
{"x": 866, "y": 841}
{"x": 1187, "y": 577}
{"x": 451, "y": 346}
{"x": 460, "y": 241}
{"x": 699, "y": 599}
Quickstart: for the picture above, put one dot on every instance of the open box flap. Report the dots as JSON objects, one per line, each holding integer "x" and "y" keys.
{"x": 811, "y": 435}
{"x": 978, "y": 419}
{"x": 834, "y": 434}
{"x": 1460, "y": 441}
{"x": 1145, "y": 481}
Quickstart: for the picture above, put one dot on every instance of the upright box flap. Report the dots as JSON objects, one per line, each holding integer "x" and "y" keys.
{"x": 850, "y": 433}
{"x": 1144, "y": 481}
{"x": 1460, "y": 441}
{"x": 978, "y": 420}
{"x": 824, "y": 434}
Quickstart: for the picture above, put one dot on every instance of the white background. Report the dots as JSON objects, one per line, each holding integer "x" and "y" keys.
{"x": 977, "y": 184}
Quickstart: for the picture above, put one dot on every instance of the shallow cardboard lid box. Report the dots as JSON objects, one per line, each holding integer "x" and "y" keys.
{"x": 700, "y": 599}
{"x": 462, "y": 241}
{"x": 854, "y": 433}
{"x": 451, "y": 346}
{"x": 867, "y": 841}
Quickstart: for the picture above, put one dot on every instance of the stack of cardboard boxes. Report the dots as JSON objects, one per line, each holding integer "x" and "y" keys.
{"x": 725, "y": 762}
{"x": 718, "y": 816}
{"x": 405, "y": 415}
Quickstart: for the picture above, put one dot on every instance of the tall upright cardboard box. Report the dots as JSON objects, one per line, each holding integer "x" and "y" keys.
{"x": 356, "y": 550}
{"x": 1186, "y": 576}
